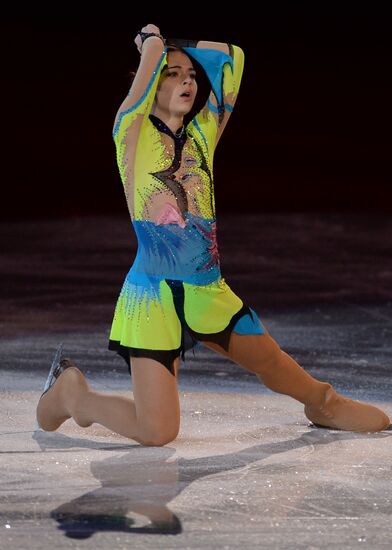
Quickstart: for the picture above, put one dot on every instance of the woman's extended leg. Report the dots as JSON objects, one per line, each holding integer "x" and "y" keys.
{"x": 260, "y": 354}
{"x": 151, "y": 418}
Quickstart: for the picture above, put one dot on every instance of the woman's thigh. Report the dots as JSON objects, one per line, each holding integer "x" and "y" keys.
{"x": 251, "y": 351}
{"x": 155, "y": 393}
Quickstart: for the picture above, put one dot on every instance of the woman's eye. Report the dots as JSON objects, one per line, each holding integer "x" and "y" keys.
{"x": 172, "y": 74}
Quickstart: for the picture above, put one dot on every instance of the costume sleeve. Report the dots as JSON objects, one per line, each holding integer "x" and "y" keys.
{"x": 138, "y": 103}
{"x": 224, "y": 71}
{"x": 132, "y": 116}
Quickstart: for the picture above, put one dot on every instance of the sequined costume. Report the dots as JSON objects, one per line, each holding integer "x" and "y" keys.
{"x": 174, "y": 294}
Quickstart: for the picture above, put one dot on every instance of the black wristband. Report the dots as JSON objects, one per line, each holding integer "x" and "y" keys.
{"x": 145, "y": 35}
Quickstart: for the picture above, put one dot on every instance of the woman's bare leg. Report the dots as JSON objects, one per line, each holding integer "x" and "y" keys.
{"x": 151, "y": 418}
{"x": 260, "y": 354}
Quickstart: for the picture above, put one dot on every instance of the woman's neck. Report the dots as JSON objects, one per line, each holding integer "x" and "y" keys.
{"x": 174, "y": 122}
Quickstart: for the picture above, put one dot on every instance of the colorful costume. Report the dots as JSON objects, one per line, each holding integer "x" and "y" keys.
{"x": 174, "y": 295}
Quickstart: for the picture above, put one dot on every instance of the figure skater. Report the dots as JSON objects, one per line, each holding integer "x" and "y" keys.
{"x": 174, "y": 296}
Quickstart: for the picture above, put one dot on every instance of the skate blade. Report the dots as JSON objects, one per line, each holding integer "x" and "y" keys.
{"x": 54, "y": 366}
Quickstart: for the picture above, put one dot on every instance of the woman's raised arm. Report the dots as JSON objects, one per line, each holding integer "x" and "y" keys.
{"x": 223, "y": 64}
{"x": 151, "y": 47}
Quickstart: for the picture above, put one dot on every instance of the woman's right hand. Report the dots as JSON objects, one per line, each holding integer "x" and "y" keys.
{"x": 148, "y": 28}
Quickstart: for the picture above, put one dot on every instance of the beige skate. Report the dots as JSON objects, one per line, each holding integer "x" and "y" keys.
{"x": 341, "y": 413}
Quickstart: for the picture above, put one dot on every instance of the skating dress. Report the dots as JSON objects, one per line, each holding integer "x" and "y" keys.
{"x": 174, "y": 295}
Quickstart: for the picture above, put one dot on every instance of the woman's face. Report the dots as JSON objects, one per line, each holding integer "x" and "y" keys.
{"x": 177, "y": 86}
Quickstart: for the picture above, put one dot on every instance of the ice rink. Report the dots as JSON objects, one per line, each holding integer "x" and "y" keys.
{"x": 247, "y": 470}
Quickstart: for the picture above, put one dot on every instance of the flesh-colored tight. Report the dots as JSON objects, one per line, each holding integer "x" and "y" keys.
{"x": 152, "y": 417}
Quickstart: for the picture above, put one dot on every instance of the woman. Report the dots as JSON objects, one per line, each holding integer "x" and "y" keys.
{"x": 174, "y": 296}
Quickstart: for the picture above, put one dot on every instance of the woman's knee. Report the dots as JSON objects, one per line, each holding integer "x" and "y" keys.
{"x": 256, "y": 353}
{"x": 158, "y": 436}
{"x": 157, "y": 431}
{"x": 271, "y": 350}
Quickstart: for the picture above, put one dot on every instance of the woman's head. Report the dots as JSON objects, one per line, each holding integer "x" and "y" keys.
{"x": 177, "y": 87}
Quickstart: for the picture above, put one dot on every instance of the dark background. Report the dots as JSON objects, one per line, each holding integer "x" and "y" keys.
{"x": 311, "y": 130}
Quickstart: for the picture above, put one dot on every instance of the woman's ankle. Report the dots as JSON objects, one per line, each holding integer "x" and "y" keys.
{"x": 317, "y": 395}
